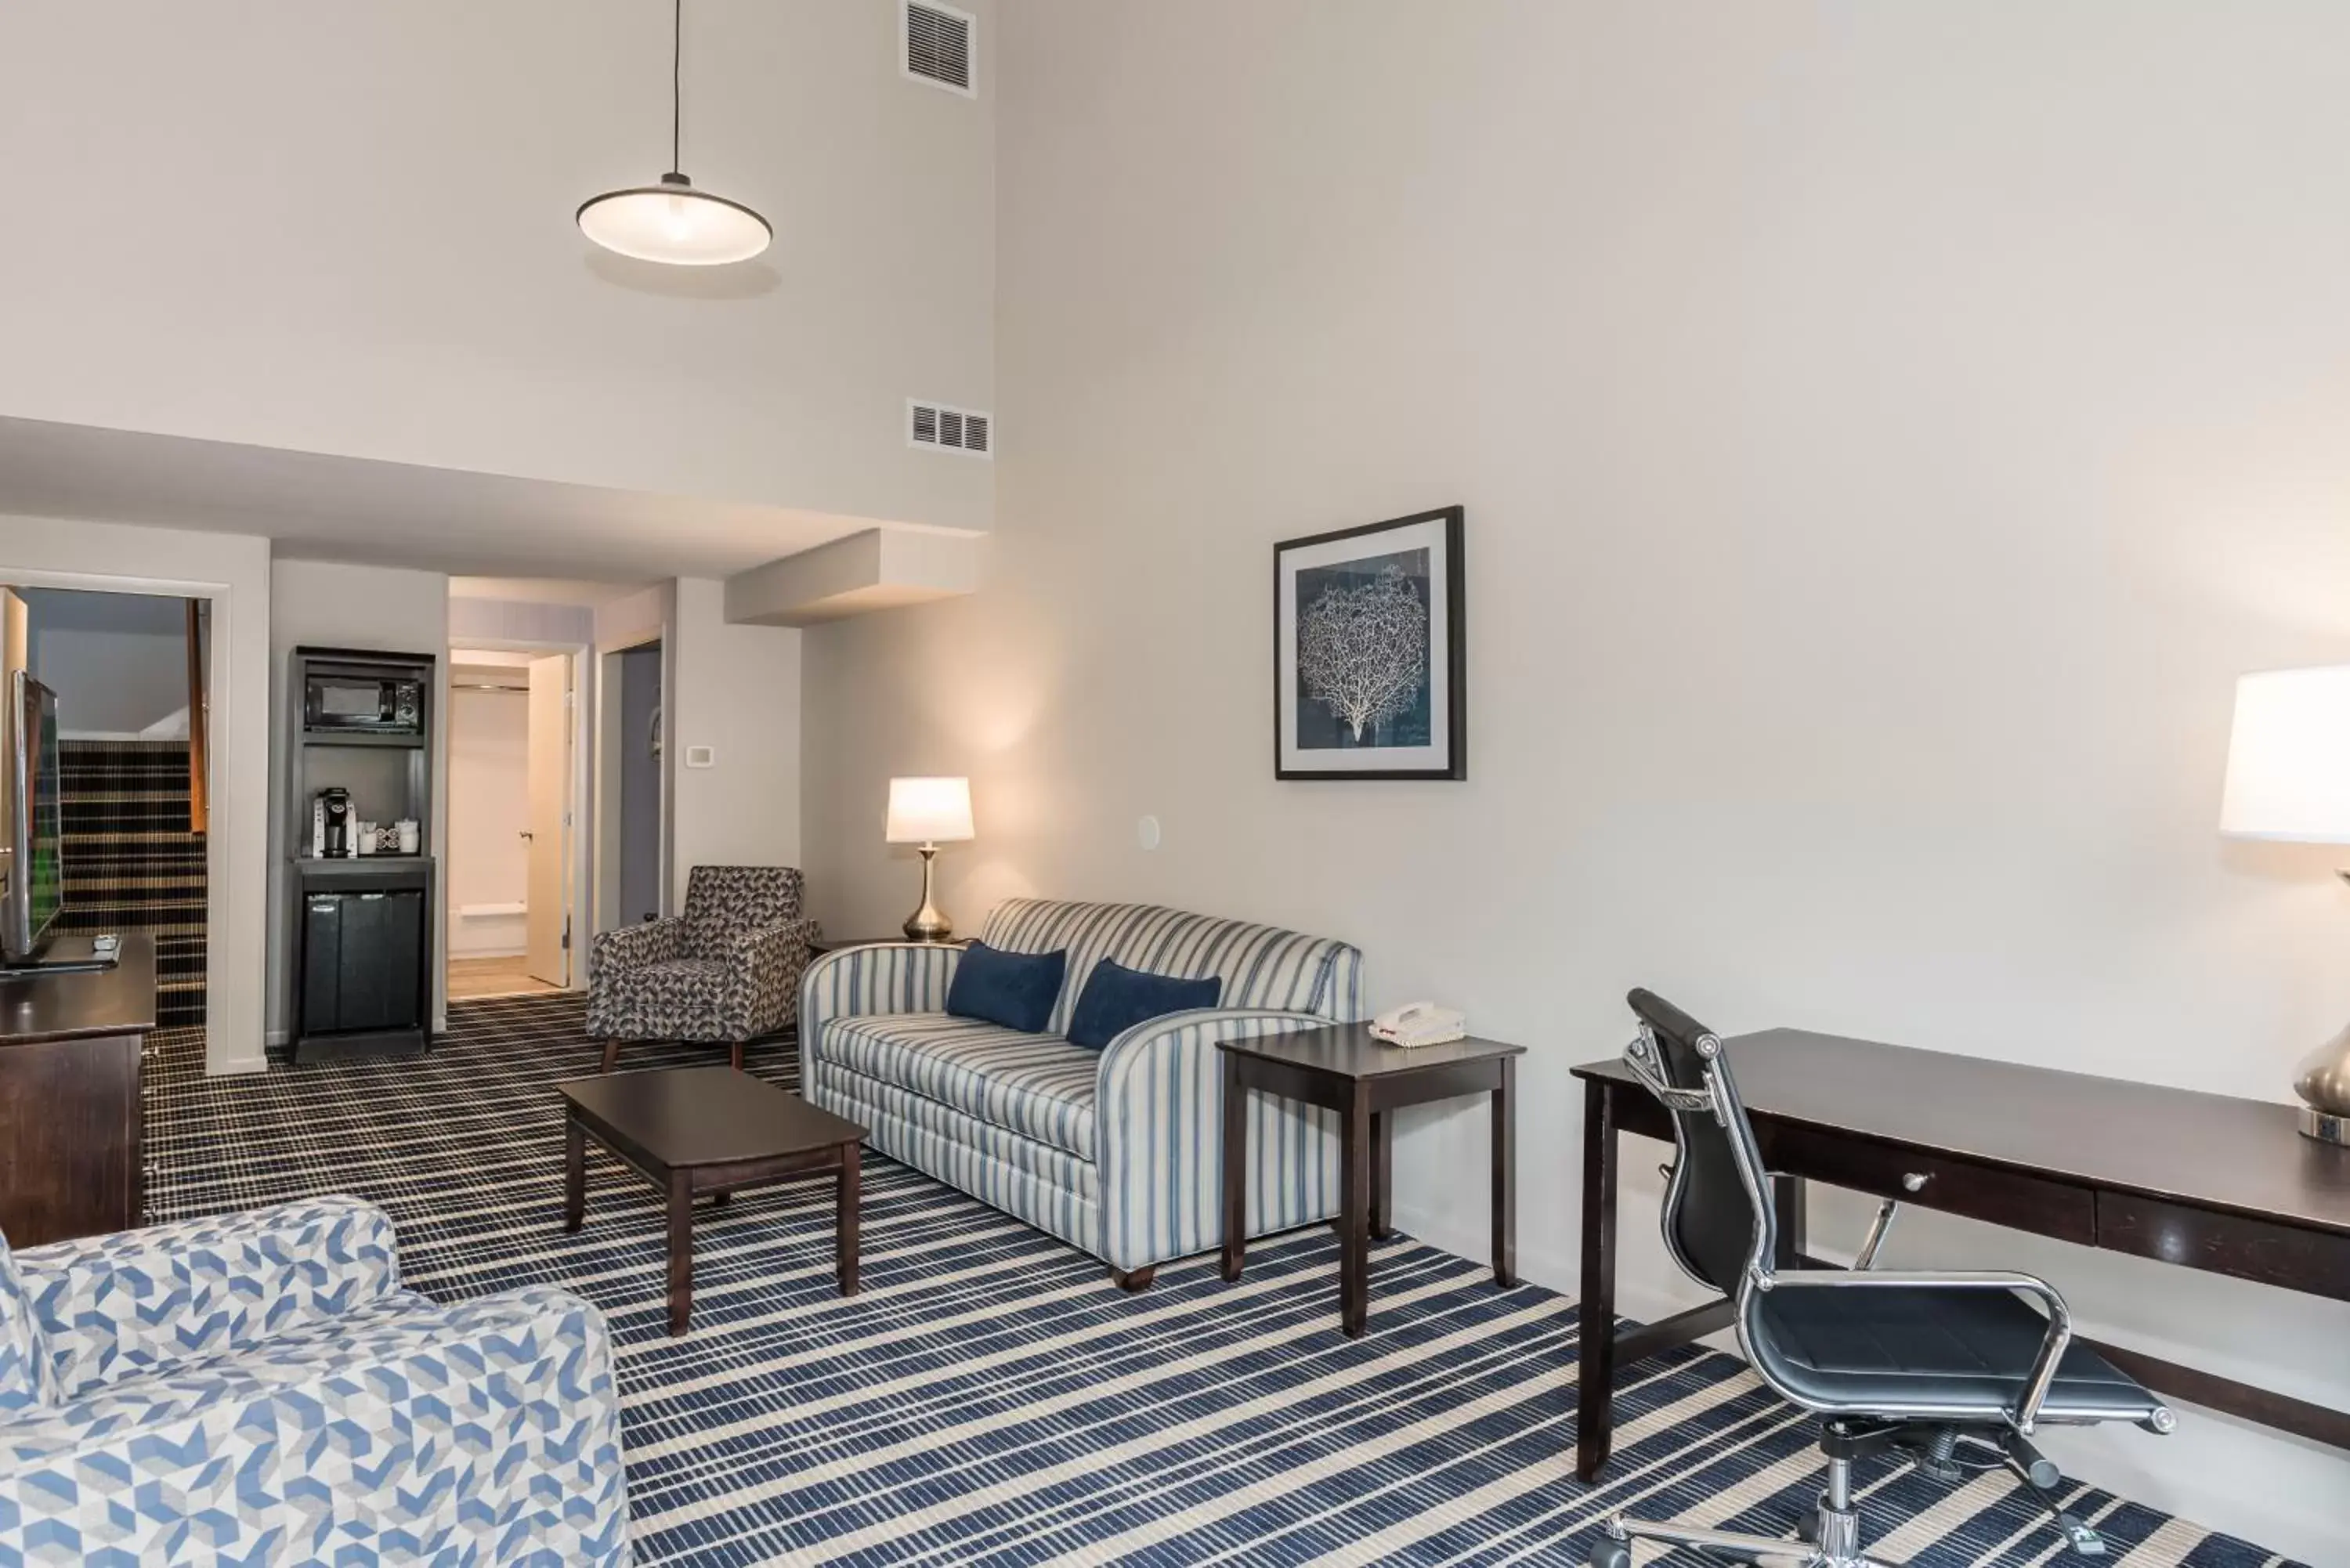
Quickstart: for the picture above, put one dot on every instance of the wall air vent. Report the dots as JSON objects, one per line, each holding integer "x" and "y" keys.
{"x": 943, "y": 429}
{"x": 941, "y": 46}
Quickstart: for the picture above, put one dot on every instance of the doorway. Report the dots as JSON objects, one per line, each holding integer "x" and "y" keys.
{"x": 513, "y": 851}
{"x": 639, "y": 773}
{"x": 131, "y": 674}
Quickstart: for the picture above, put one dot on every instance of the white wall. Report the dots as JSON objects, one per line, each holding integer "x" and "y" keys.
{"x": 371, "y": 250}
{"x": 736, "y": 689}
{"x": 117, "y": 662}
{"x": 1885, "y": 433}
{"x": 326, "y": 605}
{"x": 233, "y": 573}
{"x": 489, "y": 809}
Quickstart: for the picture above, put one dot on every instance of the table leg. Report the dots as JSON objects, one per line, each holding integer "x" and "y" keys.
{"x": 1382, "y": 1175}
{"x": 1505, "y": 1175}
{"x": 1355, "y": 1216}
{"x": 1235, "y": 1133}
{"x": 844, "y": 1222}
{"x": 1787, "y": 1200}
{"x": 1596, "y": 1311}
{"x": 681, "y": 1251}
{"x": 575, "y": 1175}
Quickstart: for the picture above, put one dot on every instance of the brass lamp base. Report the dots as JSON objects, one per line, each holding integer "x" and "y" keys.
{"x": 2323, "y": 1082}
{"x": 927, "y": 924}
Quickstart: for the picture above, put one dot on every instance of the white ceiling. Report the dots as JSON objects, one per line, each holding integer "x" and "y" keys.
{"x": 361, "y": 510}
{"x": 543, "y": 590}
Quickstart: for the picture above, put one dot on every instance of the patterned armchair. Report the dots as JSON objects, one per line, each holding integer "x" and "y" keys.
{"x": 725, "y": 971}
{"x": 258, "y": 1389}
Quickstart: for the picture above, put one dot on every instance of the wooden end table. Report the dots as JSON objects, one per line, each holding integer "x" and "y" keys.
{"x": 1343, "y": 1068}
{"x": 694, "y": 1130}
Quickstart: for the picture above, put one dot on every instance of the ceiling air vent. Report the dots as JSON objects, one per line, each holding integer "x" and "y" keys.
{"x": 943, "y": 429}
{"x": 941, "y": 46}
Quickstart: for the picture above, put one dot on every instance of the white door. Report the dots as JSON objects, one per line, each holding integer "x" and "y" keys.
{"x": 544, "y": 954}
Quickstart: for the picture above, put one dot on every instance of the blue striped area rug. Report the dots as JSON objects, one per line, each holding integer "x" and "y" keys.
{"x": 990, "y": 1397}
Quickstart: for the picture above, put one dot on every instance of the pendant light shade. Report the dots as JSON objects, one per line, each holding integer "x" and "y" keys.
{"x": 673, "y": 223}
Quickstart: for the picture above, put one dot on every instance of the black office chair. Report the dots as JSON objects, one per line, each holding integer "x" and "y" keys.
{"x": 1948, "y": 1372}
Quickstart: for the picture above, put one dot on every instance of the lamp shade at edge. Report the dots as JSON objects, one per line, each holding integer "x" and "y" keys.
{"x": 2289, "y": 758}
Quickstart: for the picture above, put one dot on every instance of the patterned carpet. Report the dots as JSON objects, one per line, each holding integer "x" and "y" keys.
{"x": 989, "y": 1398}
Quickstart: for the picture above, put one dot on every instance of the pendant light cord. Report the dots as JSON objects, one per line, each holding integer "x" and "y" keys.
{"x": 676, "y": 77}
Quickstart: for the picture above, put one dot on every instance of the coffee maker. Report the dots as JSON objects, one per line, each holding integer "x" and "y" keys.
{"x": 330, "y": 824}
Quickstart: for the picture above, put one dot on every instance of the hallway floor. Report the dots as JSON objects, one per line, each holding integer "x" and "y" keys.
{"x": 475, "y": 977}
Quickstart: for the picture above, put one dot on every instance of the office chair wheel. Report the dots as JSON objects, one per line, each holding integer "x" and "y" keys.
{"x": 2083, "y": 1539}
{"x": 1609, "y": 1553}
{"x": 1807, "y": 1529}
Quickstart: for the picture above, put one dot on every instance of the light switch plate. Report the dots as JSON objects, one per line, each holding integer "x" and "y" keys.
{"x": 702, "y": 756}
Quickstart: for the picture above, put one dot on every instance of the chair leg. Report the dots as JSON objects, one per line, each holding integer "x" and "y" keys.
{"x": 1613, "y": 1549}
{"x": 2042, "y": 1478}
{"x": 1831, "y": 1538}
{"x": 611, "y": 1055}
{"x": 734, "y": 1052}
{"x": 1134, "y": 1280}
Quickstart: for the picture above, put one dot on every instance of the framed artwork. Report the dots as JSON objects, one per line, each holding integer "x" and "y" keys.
{"x": 1369, "y": 628}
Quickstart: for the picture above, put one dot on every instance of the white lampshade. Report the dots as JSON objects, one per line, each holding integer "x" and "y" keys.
{"x": 674, "y": 223}
{"x": 2289, "y": 758}
{"x": 928, "y": 810}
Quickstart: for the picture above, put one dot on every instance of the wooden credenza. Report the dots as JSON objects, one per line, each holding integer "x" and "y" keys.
{"x": 71, "y": 1131}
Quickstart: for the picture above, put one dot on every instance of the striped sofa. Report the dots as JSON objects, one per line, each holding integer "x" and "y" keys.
{"x": 1115, "y": 1151}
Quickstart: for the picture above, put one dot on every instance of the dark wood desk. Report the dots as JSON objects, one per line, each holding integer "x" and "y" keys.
{"x": 1343, "y": 1068}
{"x": 72, "y": 1048}
{"x": 2206, "y": 1182}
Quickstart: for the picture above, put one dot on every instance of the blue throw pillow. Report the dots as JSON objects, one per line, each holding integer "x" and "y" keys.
{"x": 1015, "y": 989}
{"x": 1116, "y": 998}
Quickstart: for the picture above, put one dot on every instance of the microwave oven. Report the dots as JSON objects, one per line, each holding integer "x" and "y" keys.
{"x": 361, "y": 702}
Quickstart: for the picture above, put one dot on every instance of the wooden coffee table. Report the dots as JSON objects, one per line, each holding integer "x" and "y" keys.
{"x": 694, "y": 1130}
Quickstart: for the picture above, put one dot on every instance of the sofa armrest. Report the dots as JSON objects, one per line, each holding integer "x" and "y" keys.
{"x": 630, "y": 946}
{"x": 486, "y": 1430}
{"x": 1158, "y": 1131}
{"x": 886, "y": 977}
{"x": 118, "y": 1306}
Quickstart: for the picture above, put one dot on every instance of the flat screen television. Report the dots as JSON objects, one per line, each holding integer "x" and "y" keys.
{"x": 36, "y": 884}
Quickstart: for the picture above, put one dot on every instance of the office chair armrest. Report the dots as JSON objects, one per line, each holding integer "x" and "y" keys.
{"x": 2052, "y": 1346}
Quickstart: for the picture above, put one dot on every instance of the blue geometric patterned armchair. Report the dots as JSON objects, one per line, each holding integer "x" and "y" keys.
{"x": 258, "y": 1389}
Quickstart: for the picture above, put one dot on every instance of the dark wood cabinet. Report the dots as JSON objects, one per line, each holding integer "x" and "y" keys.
{"x": 72, "y": 1049}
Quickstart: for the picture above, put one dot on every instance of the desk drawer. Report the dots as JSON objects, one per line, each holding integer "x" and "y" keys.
{"x": 1957, "y": 1185}
{"x": 2225, "y": 1243}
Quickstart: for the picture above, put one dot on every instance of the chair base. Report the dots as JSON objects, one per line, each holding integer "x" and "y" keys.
{"x": 1829, "y": 1536}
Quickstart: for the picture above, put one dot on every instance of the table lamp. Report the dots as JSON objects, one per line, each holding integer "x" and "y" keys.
{"x": 2288, "y": 781}
{"x": 929, "y": 812}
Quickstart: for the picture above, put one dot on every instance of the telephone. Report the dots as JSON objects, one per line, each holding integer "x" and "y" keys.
{"x": 1419, "y": 1023}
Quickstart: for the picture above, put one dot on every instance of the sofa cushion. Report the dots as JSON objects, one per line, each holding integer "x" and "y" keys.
{"x": 1038, "y": 1085}
{"x": 1116, "y": 998}
{"x": 1014, "y": 989}
{"x": 26, "y": 1379}
{"x": 1261, "y": 966}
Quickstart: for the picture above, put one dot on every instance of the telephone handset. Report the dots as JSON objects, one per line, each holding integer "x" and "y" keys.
{"x": 1419, "y": 1023}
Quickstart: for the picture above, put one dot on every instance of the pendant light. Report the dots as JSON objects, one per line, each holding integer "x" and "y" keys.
{"x": 672, "y": 221}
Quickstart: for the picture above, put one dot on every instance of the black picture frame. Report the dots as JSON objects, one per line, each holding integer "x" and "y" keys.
{"x": 1446, "y": 747}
